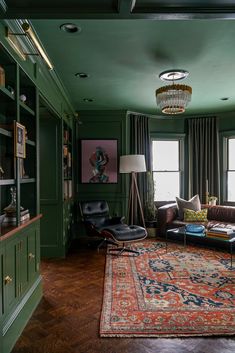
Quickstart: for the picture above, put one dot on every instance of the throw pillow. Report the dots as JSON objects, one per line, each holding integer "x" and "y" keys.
{"x": 195, "y": 216}
{"x": 192, "y": 204}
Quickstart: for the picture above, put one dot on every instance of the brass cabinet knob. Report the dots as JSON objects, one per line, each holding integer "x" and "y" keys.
{"x": 31, "y": 256}
{"x": 7, "y": 279}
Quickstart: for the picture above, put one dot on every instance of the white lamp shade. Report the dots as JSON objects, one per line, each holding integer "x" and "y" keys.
{"x": 132, "y": 163}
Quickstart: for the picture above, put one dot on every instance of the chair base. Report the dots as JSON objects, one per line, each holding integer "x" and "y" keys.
{"x": 106, "y": 241}
{"x": 124, "y": 249}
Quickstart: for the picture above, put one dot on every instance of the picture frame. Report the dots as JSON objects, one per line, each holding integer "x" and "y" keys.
{"x": 98, "y": 161}
{"x": 19, "y": 140}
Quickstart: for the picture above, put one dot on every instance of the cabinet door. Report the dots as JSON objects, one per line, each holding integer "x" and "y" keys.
{"x": 22, "y": 264}
{"x": 33, "y": 253}
{"x": 9, "y": 276}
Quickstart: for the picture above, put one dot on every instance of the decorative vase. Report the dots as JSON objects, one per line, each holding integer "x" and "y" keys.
{"x": 212, "y": 202}
{"x": 11, "y": 208}
{"x": 151, "y": 227}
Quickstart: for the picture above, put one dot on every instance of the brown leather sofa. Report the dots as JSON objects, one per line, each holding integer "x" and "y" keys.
{"x": 168, "y": 217}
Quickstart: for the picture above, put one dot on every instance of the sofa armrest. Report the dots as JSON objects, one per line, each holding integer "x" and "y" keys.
{"x": 165, "y": 215}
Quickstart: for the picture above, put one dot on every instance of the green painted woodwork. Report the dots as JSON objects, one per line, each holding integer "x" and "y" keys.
{"x": 20, "y": 253}
{"x": 33, "y": 254}
{"x": 21, "y": 294}
{"x": 50, "y": 186}
{"x": 68, "y": 220}
{"x": 32, "y": 299}
{"x": 10, "y": 291}
{"x": 47, "y": 82}
{"x": 103, "y": 125}
{"x": 58, "y": 213}
{"x": 22, "y": 265}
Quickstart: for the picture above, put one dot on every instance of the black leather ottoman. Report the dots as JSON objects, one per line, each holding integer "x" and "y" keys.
{"x": 124, "y": 234}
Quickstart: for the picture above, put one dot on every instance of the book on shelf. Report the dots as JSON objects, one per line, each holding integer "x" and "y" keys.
{"x": 12, "y": 219}
{"x": 13, "y": 214}
{"x": 70, "y": 189}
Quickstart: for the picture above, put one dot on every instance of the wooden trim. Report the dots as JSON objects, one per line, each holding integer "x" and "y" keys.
{"x": 10, "y": 231}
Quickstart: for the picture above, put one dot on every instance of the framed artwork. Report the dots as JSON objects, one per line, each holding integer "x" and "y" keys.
{"x": 99, "y": 161}
{"x": 19, "y": 140}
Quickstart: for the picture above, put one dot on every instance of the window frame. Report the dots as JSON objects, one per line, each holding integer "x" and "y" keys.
{"x": 226, "y": 136}
{"x": 181, "y": 159}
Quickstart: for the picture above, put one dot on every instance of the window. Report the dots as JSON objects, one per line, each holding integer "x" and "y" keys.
{"x": 167, "y": 168}
{"x": 230, "y": 169}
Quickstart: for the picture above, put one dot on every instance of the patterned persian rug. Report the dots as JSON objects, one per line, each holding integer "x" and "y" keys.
{"x": 184, "y": 292}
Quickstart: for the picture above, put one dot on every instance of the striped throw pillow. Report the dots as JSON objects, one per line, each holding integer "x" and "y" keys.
{"x": 195, "y": 216}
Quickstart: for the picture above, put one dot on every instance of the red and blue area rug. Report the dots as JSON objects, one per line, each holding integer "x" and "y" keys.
{"x": 184, "y": 292}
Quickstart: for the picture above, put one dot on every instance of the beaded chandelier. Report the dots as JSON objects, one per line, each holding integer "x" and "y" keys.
{"x": 174, "y": 98}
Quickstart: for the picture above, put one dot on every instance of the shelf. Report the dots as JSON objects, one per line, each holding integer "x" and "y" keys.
{"x": 7, "y": 181}
{"x": 5, "y": 132}
{"x": 5, "y": 94}
{"x": 27, "y": 109}
{"x": 31, "y": 143}
{"x": 27, "y": 180}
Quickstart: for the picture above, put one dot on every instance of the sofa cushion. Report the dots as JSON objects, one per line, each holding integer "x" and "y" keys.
{"x": 195, "y": 216}
{"x": 192, "y": 204}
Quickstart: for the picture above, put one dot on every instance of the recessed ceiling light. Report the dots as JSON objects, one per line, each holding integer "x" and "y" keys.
{"x": 224, "y": 99}
{"x": 81, "y": 75}
{"x": 88, "y": 100}
{"x": 70, "y": 28}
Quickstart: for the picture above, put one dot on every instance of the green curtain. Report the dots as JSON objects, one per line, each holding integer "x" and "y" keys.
{"x": 140, "y": 143}
{"x": 203, "y": 158}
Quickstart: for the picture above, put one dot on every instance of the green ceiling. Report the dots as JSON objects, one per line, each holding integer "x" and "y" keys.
{"x": 123, "y": 57}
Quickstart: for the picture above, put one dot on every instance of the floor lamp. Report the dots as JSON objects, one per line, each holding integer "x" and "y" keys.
{"x": 133, "y": 163}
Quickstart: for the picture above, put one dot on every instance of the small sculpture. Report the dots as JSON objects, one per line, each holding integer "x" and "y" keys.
{"x": 11, "y": 208}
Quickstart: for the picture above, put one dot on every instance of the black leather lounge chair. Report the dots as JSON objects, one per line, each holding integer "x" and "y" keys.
{"x": 112, "y": 230}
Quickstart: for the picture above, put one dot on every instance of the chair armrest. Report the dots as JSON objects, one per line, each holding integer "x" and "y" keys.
{"x": 165, "y": 215}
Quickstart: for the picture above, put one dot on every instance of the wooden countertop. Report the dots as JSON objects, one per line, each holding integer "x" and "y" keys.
{"x": 8, "y": 231}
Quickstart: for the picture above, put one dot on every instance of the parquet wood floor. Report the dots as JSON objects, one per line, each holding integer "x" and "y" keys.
{"x": 67, "y": 319}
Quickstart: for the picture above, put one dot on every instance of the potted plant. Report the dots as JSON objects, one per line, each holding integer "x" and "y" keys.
{"x": 212, "y": 200}
{"x": 150, "y": 208}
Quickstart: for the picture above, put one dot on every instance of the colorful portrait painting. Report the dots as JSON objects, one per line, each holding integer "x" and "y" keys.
{"x": 99, "y": 161}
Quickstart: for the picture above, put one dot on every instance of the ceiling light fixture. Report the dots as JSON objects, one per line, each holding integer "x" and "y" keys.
{"x": 70, "y": 28}
{"x": 15, "y": 44}
{"x": 30, "y": 34}
{"x": 81, "y": 75}
{"x": 174, "y": 98}
{"x": 88, "y": 100}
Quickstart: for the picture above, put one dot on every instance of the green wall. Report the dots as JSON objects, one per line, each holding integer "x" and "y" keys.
{"x": 103, "y": 125}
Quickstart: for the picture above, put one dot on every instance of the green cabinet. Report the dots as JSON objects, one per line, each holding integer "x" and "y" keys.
{"x": 10, "y": 282}
{"x": 20, "y": 283}
{"x": 21, "y": 288}
{"x": 33, "y": 254}
{"x": 19, "y": 182}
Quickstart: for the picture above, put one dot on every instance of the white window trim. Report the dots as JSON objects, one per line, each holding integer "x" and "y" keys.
{"x": 224, "y": 172}
{"x": 181, "y": 139}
